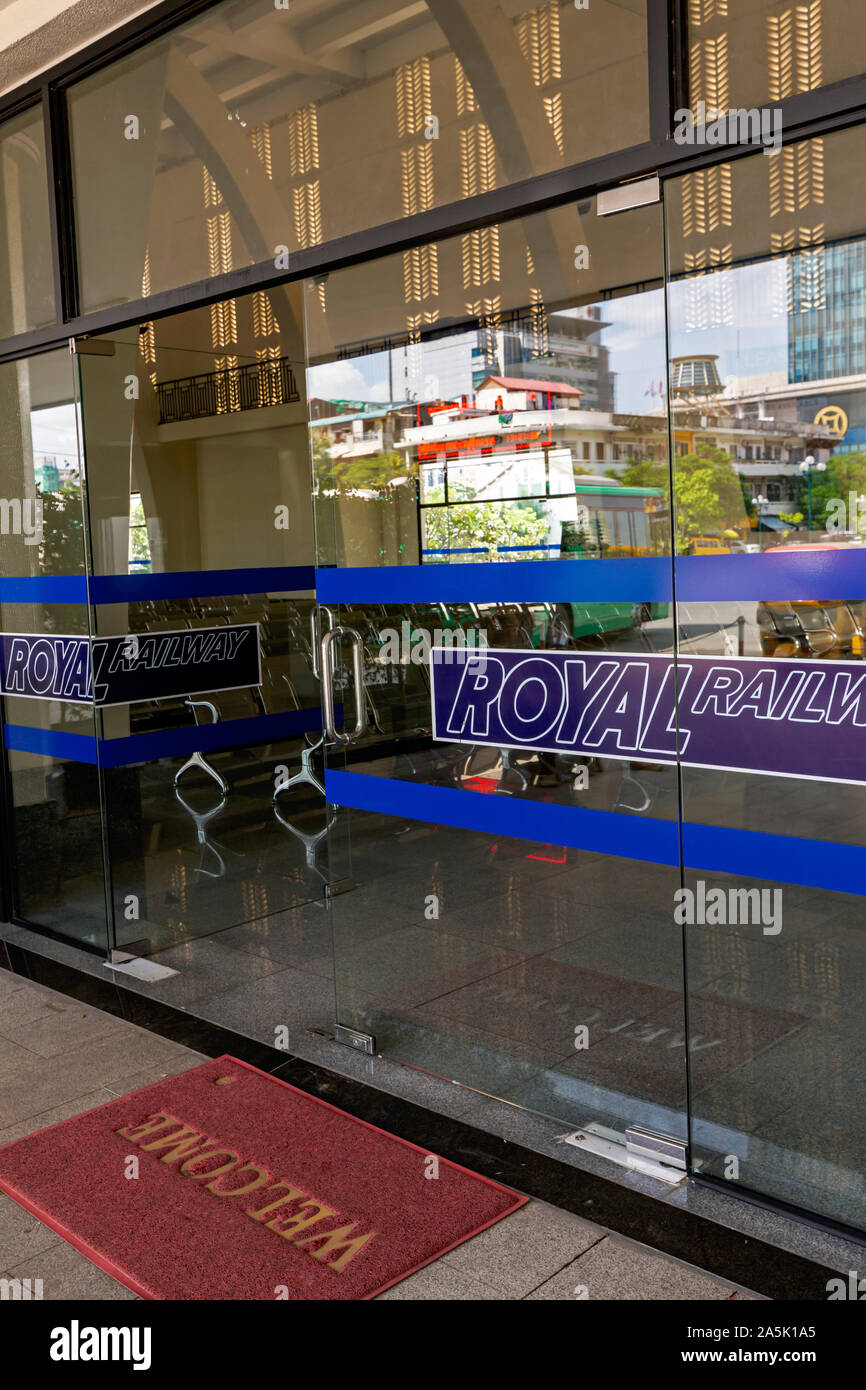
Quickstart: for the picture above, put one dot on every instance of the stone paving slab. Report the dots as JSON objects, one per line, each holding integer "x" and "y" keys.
{"x": 72, "y": 1057}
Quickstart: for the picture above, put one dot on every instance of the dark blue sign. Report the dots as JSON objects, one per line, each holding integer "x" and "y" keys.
{"x": 785, "y": 718}
{"x": 127, "y": 669}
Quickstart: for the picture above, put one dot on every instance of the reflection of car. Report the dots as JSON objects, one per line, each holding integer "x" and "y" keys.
{"x": 708, "y": 545}
{"x": 829, "y": 628}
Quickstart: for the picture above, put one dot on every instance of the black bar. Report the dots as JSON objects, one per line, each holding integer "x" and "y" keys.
{"x": 661, "y": 59}
{"x": 59, "y": 170}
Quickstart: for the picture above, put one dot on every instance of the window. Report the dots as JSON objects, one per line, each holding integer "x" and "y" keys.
{"x": 745, "y": 52}
{"x": 139, "y": 545}
{"x": 26, "y": 273}
{"x": 251, "y": 132}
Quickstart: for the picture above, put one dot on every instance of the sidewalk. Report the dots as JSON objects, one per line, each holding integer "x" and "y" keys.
{"x": 59, "y": 1057}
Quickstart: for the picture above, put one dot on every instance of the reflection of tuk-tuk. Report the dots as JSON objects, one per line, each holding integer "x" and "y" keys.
{"x": 831, "y": 628}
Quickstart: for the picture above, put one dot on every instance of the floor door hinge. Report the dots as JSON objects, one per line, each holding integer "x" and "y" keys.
{"x": 659, "y": 1156}
{"x": 351, "y": 1037}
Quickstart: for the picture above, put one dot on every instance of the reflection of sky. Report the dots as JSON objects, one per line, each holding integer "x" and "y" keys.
{"x": 53, "y": 431}
{"x": 740, "y": 315}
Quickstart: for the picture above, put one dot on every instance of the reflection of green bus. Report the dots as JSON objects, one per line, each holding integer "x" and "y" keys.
{"x": 615, "y": 521}
{"x": 602, "y": 519}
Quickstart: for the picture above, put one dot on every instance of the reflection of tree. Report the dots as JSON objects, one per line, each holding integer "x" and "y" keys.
{"x": 345, "y": 475}
{"x": 845, "y": 473}
{"x": 476, "y": 524}
{"x": 62, "y": 548}
{"x": 139, "y": 544}
{"x": 709, "y": 493}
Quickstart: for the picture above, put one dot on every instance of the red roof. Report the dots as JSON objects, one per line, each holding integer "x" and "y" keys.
{"x": 523, "y": 383}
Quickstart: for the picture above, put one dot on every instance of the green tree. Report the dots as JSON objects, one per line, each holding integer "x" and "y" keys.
{"x": 644, "y": 473}
{"x": 372, "y": 472}
{"x": 62, "y": 549}
{"x": 482, "y": 524}
{"x": 845, "y": 473}
{"x": 709, "y": 494}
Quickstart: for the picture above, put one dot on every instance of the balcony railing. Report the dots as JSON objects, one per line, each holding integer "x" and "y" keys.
{"x": 250, "y": 387}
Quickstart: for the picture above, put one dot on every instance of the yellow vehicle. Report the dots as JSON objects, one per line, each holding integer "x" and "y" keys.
{"x": 708, "y": 545}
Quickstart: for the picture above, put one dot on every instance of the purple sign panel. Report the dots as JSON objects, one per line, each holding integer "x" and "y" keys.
{"x": 126, "y": 669}
{"x": 785, "y": 718}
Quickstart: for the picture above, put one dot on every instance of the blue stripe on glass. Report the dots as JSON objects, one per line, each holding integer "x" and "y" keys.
{"x": 55, "y": 743}
{"x": 234, "y": 733}
{"x": 782, "y": 574}
{"x": 48, "y": 588}
{"x": 777, "y": 575}
{"x": 605, "y": 832}
{"x": 167, "y": 743}
{"x": 131, "y": 588}
{"x": 839, "y": 868}
{"x": 744, "y": 853}
{"x": 508, "y": 581}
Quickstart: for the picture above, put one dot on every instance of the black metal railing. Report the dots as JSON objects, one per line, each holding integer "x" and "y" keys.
{"x": 250, "y": 387}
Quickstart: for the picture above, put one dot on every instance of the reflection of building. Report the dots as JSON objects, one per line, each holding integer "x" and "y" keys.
{"x": 361, "y": 433}
{"x": 507, "y": 413}
{"x": 826, "y": 339}
{"x": 695, "y": 376}
{"x": 766, "y": 446}
{"x": 51, "y": 471}
{"x": 825, "y": 321}
{"x": 560, "y": 346}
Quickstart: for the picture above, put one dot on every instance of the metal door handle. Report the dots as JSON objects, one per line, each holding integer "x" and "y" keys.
{"x": 315, "y": 635}
{"x": 327, "y": 670}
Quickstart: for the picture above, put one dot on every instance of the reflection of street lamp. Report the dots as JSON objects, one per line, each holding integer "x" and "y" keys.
{"x": 760, "y": 503}
{"x": 807, "y": 466}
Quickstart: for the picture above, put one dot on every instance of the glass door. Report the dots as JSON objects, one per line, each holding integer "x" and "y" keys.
{"x": 767, "y": 260}
{"x": 202, "y": 594}
{"x": 489, "y": 437}
{"x": 54, "y": 848}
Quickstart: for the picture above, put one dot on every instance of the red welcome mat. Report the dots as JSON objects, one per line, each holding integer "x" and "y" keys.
{"x": 227, "y": 1183}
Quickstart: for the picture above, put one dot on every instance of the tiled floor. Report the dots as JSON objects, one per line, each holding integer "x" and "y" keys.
{"x": 59, "y": 1057}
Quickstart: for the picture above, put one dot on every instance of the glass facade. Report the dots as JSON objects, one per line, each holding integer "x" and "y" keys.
{"x": 253, "y": 132}
{"x": 436, "y": 645}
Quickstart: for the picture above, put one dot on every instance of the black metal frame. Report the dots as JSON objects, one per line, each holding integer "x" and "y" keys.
{"x": 811, "y": 113}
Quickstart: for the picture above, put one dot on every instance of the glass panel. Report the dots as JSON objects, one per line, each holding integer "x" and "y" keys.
{"x": 747, "y": 52}
{"x": 55, "y": 804}
{"x": 26, "y": 271}
{"x": 196, "y": 446}
{"x": 507, "y": 924}
{"x": 256, "y": 130}
{"x": 770, "y": 456}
